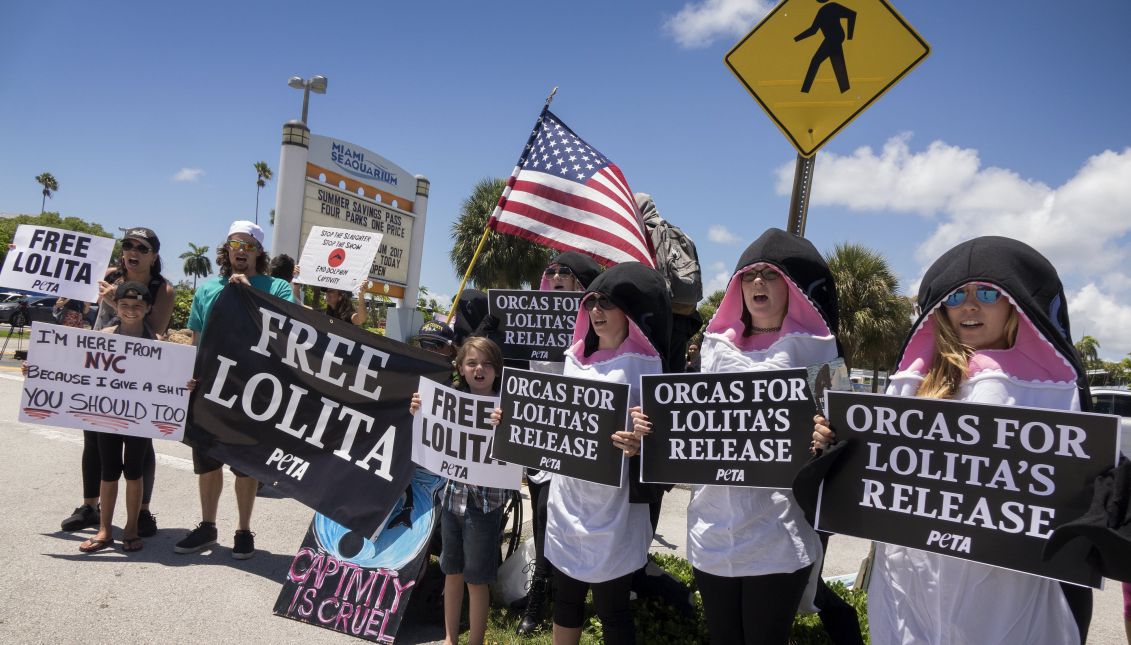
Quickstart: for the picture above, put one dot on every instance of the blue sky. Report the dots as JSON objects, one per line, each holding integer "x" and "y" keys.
{"x": 153, "y": 113}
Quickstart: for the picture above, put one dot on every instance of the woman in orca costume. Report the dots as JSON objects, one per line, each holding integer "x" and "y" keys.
{"x": 752, "y": 549}
{"x": 596, "y": 536}
{"x": 993, "y": 329}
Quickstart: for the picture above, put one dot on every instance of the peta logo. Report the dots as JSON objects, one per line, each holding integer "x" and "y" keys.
{"x": 289, "y": 464}
{"x": 949, "y": 541}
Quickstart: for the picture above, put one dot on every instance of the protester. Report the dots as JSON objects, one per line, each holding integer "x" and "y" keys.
{"x": 71, "y": 313}
{"x": 339, "y": 304}
{"x": 471, "y": 516}
{"x": 122, "y": 454}
{"x": 752, "y": 549}
{"x": 139, "y": 262}
{"x": 994, "y": 329}
{"x": 693, "y": 359}
{"x": 568, "y": 271}
{"x": 243, "y": 260}
{"x": 436, "y": 337}
{"x": 597, "y": 536}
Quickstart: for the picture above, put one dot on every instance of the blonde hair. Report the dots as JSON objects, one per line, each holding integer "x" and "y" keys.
{"x": 952, "y": 357}
{"x": 492, "y": 355}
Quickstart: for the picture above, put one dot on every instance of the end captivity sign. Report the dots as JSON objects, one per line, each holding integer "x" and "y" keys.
{"x": 985, "y": 483}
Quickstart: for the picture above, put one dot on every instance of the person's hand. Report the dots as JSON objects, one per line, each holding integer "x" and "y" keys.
{"x": 641, "y": 426}
{"x": 823, "y": 435}
{"x": 627, "y": 441}
{"x": 191, "y": 385}
{"x": 23, "y": 368}
{"x": 61, "y": 301}
{"x": 496, "y": 417}
{"x": 106, "y": 293}
{"x": 296, "y": 272}
{"x": 414, "y": 404}
{"x": 239, "y": 278}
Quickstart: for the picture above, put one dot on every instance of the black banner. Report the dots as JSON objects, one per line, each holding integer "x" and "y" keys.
{"x": 986, "y": 483}
{"x": 534, "y": 325}
{"x": 562, "y": 424}
{"x": 314, "y": 406}
{"x": 735, "y": 428}
{"x": 341, "y": 581}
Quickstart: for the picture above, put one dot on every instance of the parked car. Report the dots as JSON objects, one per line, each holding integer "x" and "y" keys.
{"x": 1113, "y": 401}
{"x": 38, "y": 308}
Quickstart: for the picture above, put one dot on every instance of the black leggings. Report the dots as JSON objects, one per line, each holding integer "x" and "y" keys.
{"x": 752, "y": 609}
{"x": 539, "y": 493}
{"x": 92, "y": 468}
{"x": 121, "y": 454}
{"x": 610, "y": 599}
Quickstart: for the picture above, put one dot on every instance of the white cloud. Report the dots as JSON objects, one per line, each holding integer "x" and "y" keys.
{"x": 1081, "y": 226}
{"x": 716, "y": 276}
{"x": 698, "y": 24}
{"x": 1103, "y": 317}
{"x": 721, "y": 235}
{"x": 188, "y": 174}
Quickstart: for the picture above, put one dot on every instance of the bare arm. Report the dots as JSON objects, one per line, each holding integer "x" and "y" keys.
{"x": 162, "y": 311}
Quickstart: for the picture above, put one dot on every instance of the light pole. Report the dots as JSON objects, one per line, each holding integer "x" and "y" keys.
{"x": 316, "y": 84}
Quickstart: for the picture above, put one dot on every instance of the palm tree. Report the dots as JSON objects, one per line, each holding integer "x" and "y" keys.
{"x": 1088, "y": 348}
{"x": 197, "y": 263}
{"x": 50, "y": 185}
{"x": 874, "y": 318}
{"x": 263, "y": 175}
{"x": 506, "y": 261}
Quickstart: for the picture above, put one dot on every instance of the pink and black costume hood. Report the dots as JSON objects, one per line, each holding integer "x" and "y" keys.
{"x": 1042, "y": 351}
{"x": 584, "y": 268}
{"x": 641, "y": 293}
{"x": 812, "y": 292}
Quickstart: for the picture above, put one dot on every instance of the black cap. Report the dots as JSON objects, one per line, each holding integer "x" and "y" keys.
{"x": 132, "y": 291}
{"x": 146, "y": 234}
{"x": 436, "y": 330}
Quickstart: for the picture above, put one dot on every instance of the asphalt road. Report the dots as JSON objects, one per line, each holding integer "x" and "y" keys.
{"x": 56, "y": 594}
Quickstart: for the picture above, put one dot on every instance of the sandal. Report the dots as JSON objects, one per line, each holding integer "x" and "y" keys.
{"x": 132, "y": 544}
{"x": 96, "y": 544}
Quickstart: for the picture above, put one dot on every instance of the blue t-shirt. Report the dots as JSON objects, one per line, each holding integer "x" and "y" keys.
{"x": 209, "y": 290}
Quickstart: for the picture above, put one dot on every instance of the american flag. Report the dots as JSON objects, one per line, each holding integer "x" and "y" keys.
{"x": 566, "y": 195}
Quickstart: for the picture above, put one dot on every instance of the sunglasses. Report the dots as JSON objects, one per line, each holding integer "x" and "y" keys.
{"x": 432, "y": 345}
{"x": 601, "y": 302}
{"x": 562, "y": 272}
{"x": 133, "y": 246}
{"x": 767, "y": 274}
{"x": 987, "y": 295}
{"x": 237, "y": 245}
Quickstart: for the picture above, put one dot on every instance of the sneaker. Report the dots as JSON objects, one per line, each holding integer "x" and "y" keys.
{"x": 244, "y": 546}
{"x": 146, "y": 523}
{"x": 84, "y": 516}
{"x": 200, "y": 538}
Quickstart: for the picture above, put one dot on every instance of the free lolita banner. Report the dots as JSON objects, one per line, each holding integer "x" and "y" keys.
{"x": 53, "y": 261}
{"x": 986, "y": 483}
{"x": 562, "y": 424}
{"x": 312, "y": 405}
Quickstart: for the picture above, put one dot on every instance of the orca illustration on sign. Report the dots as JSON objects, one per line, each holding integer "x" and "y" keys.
{"x": 337, "y": 256}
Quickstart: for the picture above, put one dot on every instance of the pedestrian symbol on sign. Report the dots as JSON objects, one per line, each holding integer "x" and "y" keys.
{"x": 827, "y": 21}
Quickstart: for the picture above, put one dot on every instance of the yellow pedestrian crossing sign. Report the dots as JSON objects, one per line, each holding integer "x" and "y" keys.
{"x": 814, "y": 65}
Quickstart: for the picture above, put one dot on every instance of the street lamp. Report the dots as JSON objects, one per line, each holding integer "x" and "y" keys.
{"x": 316, "y": 84}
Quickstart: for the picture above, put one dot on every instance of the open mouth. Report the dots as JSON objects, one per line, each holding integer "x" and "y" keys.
{"x": 970, "y": 324}
{"x": 558, "y": 287}
{"x": 760, "y": 298}
{"x": 132, "y": 263}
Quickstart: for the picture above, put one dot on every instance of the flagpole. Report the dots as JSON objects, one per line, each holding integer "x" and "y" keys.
{"x": 487, "y": 229}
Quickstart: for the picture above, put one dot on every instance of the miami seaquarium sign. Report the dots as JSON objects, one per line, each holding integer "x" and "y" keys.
{"x": 364, "y": 165}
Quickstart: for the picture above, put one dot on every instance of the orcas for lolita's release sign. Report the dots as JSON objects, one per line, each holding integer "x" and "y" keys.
{"x": 56, "y": 262}
{"x": 452, "y": 437}
{"x": 736, "y": 428}
{"x": 535, "y": 325}
{"x": 985, "y": 483}
{"x": 562, "y": 424}
{"x": 110, "y": 383}
{"x": 337, "y": 258}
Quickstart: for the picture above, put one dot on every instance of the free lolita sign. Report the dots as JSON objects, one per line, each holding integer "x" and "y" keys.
{"x": 90, "y": 380}
{"x": 452, "y": 437}
{"x": 534, "y": 325}
{"x": 562, "y": 424}
{"x": 56, "y": 262}
{"x": 337, "y": 258}
{"x": 986, "y": 483}
{"x": 737, "y": 428}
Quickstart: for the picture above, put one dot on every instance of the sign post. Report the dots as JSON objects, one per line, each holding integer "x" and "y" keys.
{"x": 814, "y": 65}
